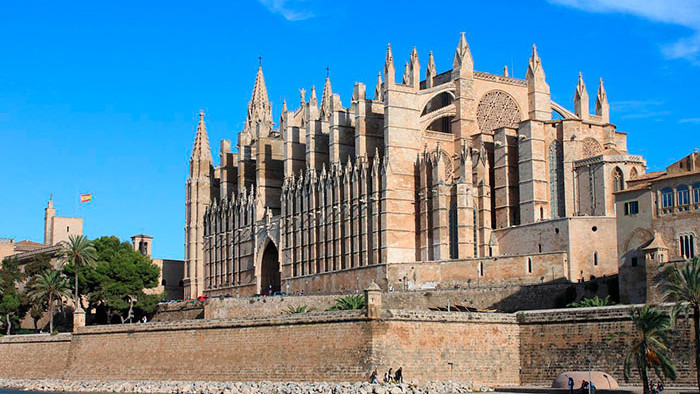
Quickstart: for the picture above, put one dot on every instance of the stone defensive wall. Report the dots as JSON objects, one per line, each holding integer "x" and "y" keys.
{"x": 525, "y": 348}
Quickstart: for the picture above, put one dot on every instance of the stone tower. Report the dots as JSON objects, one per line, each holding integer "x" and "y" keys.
{"x": 49, "y": 214}
{"x": 198, "y": 199}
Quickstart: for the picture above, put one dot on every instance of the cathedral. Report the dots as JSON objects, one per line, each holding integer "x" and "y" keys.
{"x": 442, "y": 180}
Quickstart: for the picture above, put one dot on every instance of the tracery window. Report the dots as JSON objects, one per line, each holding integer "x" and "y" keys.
{"x": 683, "y": 195}
{"x": 686, "y": 243}
{"x": 667, "y": 200}
{"x": 556, "y": 180}
{"x": 618, "y": 180}
{"x": 497, "y": 109}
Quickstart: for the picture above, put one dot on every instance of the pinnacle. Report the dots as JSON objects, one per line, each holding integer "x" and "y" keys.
{"x": 259, "y": 89}
{"x": 201, "y": 149}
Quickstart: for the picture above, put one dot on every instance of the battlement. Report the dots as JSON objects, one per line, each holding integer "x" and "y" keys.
{"x": 7, "y": 241}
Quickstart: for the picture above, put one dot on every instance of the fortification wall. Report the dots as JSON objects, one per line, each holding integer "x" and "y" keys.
{"x": 481, "y": 348}
{"x": 331, "y": 347}
{"x": 554, "y": 341}
{"x": 30, "y": 356}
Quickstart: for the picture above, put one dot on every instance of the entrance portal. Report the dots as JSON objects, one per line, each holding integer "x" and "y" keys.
{"x": 270, "y": 270}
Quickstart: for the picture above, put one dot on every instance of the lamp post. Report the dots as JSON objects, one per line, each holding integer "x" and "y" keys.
{"x": 588, "y": 362}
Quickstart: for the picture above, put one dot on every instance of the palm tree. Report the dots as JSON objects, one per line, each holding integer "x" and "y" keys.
{"x": 49, "y": 285}
{"x": 652, "y": 332}
{"x": 681, "y": 285}
{"x": 79, "y": 252}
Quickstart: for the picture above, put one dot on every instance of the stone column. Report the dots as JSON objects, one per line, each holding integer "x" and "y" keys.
{"x": 79, "y": 318}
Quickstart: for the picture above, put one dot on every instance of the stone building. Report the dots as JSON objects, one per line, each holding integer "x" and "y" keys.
{"x": 658, "y": 221}
{"x": 444, "y": 179}
{"x": 171, "y": 271}
{"x": 56, "y": 230}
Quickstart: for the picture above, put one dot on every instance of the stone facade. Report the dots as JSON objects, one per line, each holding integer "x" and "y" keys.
{"x": 172, "y": 272}
{"x": 452, "y": 170}
{"x": 658, "y": 221}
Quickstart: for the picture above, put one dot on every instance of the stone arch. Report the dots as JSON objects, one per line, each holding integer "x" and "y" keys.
{"x": 442, "y": 124}
{"x": 438, "y": 101}
{"x": 634, "y": 173}
{"x": 497, "y": 109}
{"x": 640, "y": 237}
{"x": 618, "y": 179}
{"x": 269, "y": 278}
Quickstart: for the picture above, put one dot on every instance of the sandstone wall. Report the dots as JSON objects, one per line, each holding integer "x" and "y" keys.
{"x": 482, "y": 348}
{"x": 229, "y": 308}
{"x": 555, "y": 341}
{"x": 29, "y": 356}
{"x": 332, "y": 347}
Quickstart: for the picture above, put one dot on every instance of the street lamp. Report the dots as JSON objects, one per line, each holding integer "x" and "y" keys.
{"x": 588, "y": 362}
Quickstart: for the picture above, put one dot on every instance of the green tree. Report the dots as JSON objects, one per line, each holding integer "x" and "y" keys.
{"x": 79, "y": 253}
{"x": 681, "y": 285}
{"x": 49, "y": 286}
{"x": 37, "y": 264}
{"x": 120, "y": 273}
{"x": 350, "y": 302}
{"x": 649, "y": 345}
{"x": 11, "y": 306}
{"x": 591, "y": 302}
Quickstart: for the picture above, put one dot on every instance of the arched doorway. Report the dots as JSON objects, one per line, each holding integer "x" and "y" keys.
{"x": 270, "y": 270}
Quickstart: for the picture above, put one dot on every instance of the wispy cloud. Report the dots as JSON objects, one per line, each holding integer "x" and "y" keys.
{"x": 690, "y": 120}
{"x": 640, "y": 109}
{"x": 684, "y": 13}
{"x": 290, "y": 10}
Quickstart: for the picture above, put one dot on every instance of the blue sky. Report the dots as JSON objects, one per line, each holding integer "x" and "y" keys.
{"x": 103, "y": 98}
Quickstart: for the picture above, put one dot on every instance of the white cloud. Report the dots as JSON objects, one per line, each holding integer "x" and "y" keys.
{"x": 287, "y": 9}
{"x": 684, "y": 13}
{"x": 690, "y": 120}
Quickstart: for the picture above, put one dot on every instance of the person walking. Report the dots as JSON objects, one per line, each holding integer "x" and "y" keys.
{"x": 373, "y": 377}
{"x": 388, "y": 376}
{"x": 398, "y": 378}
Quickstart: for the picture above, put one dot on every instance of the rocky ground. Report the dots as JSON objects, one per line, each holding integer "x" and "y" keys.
{"x": 57, "y": 385}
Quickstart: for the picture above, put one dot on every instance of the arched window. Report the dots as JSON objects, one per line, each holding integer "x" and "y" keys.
{"x": 164, "y": 282}
{"x": 696, "y": 194}
{"x": 618, "y": 179}
{"x": 683, "y": 197}
{"x": 442, "y": 125}
{"x": 686, "y": 243}
{"x": 633, "y": 173}
{"x": 667, "y": 200}
{"x": 439, "y": 101}
{"x": 556, "y": 180}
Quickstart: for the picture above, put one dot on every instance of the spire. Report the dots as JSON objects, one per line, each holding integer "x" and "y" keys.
{"x": 302, "y": 93}
{"x": 430, "y": 71}
{"x": 414, "y": 70}
{"x": 326, "y": 100}
{"x": 581, "y": 99}
{"x": 201, "y": 150}
{"x": 378, "y": 93}
{"x": 259, "y": 108}
{"x": 602, "y": 108}
{"x": 389, "y": 70}
{"x": 537, "y": 89}
{"x": 406, "y": 79}
{"x": 313, "y": 101}
{"x": 284, "y": 106}
{"x": 505, "y": 71}
{"x": 463, "y": 56}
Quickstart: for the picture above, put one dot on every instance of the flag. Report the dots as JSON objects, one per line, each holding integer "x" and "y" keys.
{"x": 85, "y": 197}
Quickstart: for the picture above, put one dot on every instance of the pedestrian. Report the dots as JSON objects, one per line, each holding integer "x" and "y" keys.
{"x": 584, "y": 387}
{"x": 592, "y": 387}
{"x": 373, "y": 377}
{"x": 398, "y": 378}
{"x": 388, "y": 376}
{"x": 571, "y": 385}
{"x": 659, "y": 387}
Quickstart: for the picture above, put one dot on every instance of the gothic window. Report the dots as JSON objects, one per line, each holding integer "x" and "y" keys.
{"x": 442, "y": 125}
{"x": 453, "y": 232}
{"x": 618, "y": 180}
{"x": 633, "y": 173}
{"x": 683, "y": 195}
{"x": 495, "y": 110}
{"x": 696, "y": 195}
{"x": 439, "y": 101}
{"x": 591, "y": 147}
{"x": 556, "y": 180}
{"x": 687, "y": 245}
{"x": 667, "y": 200}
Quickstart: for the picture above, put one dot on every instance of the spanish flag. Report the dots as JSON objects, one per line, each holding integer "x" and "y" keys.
{"x": 85, "y": 197}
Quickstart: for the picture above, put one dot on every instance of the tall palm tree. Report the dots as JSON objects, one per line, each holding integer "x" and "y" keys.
{"x": 79, "y": 252}
{"x": 681, "y": 285}
{"x": 51, "y": 286}
{"x": 652, "y": 333}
